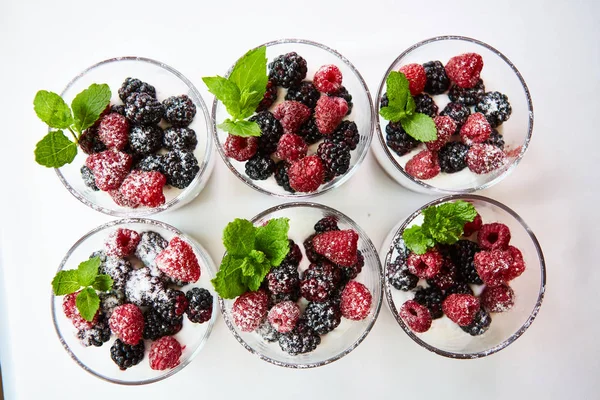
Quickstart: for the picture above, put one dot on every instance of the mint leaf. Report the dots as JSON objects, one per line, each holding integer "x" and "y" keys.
{"x": 248, "y": 103}
{"x": 444, "y": 223}
{"x": 226, "y": 91}
{"x": 89, "y": 104}
{"x": 416, "y": 240}
{"x": 55, "y": 150}
{"x": 52, "y": 109}
{"x": 65, "y": 282}
{"x": 420, "y": 127}
{"x": 250, "y": 74}
{"x": 239, "y": 237}
{"x": 255, "y": 257}
{"x": 240, "y": 128}
{"x": 272, "y": 239}
{"x": 410, "y": 105}
{"x": 392, "y": 114}
{"x": 254, "y": 272}
{"x": 103, "y": 283}
{"x": 228, "y": 282}
{"x": 397, "y": 89}
{"x": 87, "y": 271}
{"x": 87, "y": 302}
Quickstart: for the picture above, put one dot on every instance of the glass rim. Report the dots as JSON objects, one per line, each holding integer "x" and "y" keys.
{"x": 205, "y": 165}
{"x": 512, "y": 338}
{"x": 343, "y": 179}
{"x": 524, "y": 146}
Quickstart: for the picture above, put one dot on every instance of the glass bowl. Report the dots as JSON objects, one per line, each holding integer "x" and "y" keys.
{"x": 96, "y": 360}
{"x": 445, "y": 337}
{"x": 362, "y": 114}
{"x": 168, "y": 82}
{"x": 498, "y": 74}
{"x": 349, "y": 334}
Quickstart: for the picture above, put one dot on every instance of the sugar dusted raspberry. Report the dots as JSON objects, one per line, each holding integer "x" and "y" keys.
{"x": 464, "y": 69}
{"x": 329, "y": 112}
{"x": 143, "y": 188}
{"x": 120, "y": 199}
{"x": 71, "y": 311}
{"x": 249, "y": 310}
{"x": 415, "y": 73}
{"x": 498, "y": 299}
{"x": 340, "y": 247}
{"x": 328, "y": 79}
{"x": 356, "y": 301}
{"x": 165, "y": 353}
{"x": 445, "y": 129}
{"x": 423, "y": 165}
{"x": 416, "y": 316}
{"x": 306, "y": 174}
{"x": 240, "y": 148}
{"x": 485, "y": 158}
{"x": 110, "y": 168}
{"x": 284, "y": 316}
{"x": 461, "y": 308}
{"x": 518, "y": 265}
{"x": 495, "y": 236}
{"x": 291, "y": 147}
{"x": 127, "y": 322}
{"x": 477, "y": 129}
{"x": 122, "y": 243}
{"x": 493, "y": 266}
{"x": 291, "y": 114}
{"x": 446, "y": 277}
{"x": 471, "y": 227}
{"x": 178, "y": 261}
{"x": 425, "y": 265}
{"x": 113, "y": 131}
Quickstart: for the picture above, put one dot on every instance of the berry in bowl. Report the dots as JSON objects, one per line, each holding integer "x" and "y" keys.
{"x": 300, "y": 284}
{"x": 455, "y": 116}
{"x": 292, "y": 118}
{"x": 464, "y": 276}
{"x": 142, "y": 141}
{"x": 130, "y": 302}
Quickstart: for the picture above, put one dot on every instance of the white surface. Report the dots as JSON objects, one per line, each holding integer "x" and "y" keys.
{"x": 554, "y": 45}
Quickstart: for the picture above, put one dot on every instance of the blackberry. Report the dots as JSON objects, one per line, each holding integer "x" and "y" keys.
{"x": 322, "y": 317}
{"x": 270, "y": 129}
{"x": 151, "y": 243}
{"x": 287, "y": 70}
{"x": 111, "y": 300}
{"x": 432, "y": 298}
{"x": 437, "y": 80}
{"x": 496, "y": 139}
{"x": 179, "y": 110}
{"x": 269, "y": 97}
{"x": 399, "y": 277}
{"x": 180, "y": 138}
{"x": 180, "y": 168}
{"x": 259, "y": 167}
{"x": 88, "y": 178}
{"x": 302, "y": 339}
{"x": 346, "y": 132}
{"x": 319, "y": 281}
{"x": 458, "y": 112}
{"x": 385, "y": 101}
{"x": 480, "y": 323}
{"x": 467, "y": 96}
{"x": 283, "y": 279}
{"x": 335, "y": 157}
{"x": 462, "y": 254}
{"x": 281, "y": 176}
{"x": 327, "y": 224}
{"x": 309, "y": 249}
{"x": 459, "y": 288}
{"x": 96, "y": 335}
{"x": 170, "y": 303}
{"x": 145, "y": 140}
{"x": 344, "y": 94}
{"x": 294, "y": 256}
{"x": 89, "y": 142}
{"x": 424, "y": 104}
{"x": 309, "y": 132}
{"x": 495, "y": 107}
{"x": 143, "y": 109}
{"x": 118, "y": 268}
{"x": 294, "y": 296}
{"x": 453, "y": 157}
{"x": 125, "y": 355}
{"x": 152, "y": 162}
{"x": 200, "y": 305}
{"x": 398, "y": 140}
{"x": 118, "y": 108}
{"x": 142, "y": 288}
{"x": 133, "y": 85}
{"x": 305, "y": 93}
{"x": 267, "y": 332}
{"x": 155, "y": 326}
{"x": 351, "y": 272}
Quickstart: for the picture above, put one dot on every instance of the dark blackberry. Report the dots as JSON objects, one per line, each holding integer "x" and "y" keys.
{"x": 180, "y": 168}
{"x": 294, "y": 256}
{"x": 346, "y": 132}
{"x": 453, "y": 157}
{"x": 269, "y": 97}
{"x": 302, "y": 339}
{"x": 200, "y": 305}
{"x": 319, "y": 280}
{"x": 143, "y": 109}
{"x": 281, "y": 176}
{"x": 344, "y": 94}
{"x": 326, "y": 224}
{"x": 496, "y": 139}
{"x": 88, "y": 178}
{"x": 259, "y": 167}
{"x": 118, "y": 108}
{"x": 180, "y": 138}
{"x": 459, "y": 288}
{"x": 118, "y": 268}
{"x": 432, "y": 298}
{"x": 150, "y": 245}
{"x": 335, "y": 157}
{"x": 155, "y": 326}
{"x": 111, "y": 300}
{"x": 398, "y": 140}
{"x": 309, "y": 249}
{"x": 294, "y": 296}
{"x": 287, "y": 70}
{"x": 125, "y": 355}
{"x": 495, "y": 107}
{"x": 267, "y": 332}
{"x": 467, "y": 96}
{"x": 480, "y": 324}
{"x": 462, "y": 254}
{"x": 322, "y": 317}
{"x": 351, "y": 272}
{"x": 133, "y": 85}
{"x": 424, "y": 104}
{"x": 145, "y": 140}
{"x": 170, "y": 303}
{"x": 305, "y": 92}
{"x": 142, "y": 288}
{"x": 96, "y": 335}
{"x": 283, "y": 279}
{"x": 270, "y": 132}
{"x": 437, "y": 80}
{"x": 89, "y": 142}
{"x": 152, "y": 162}
{"x": 385, "y": 101}
{"x": 309, "y": 132}
{"x": 458, "y": 112}
{"x": 179, "y": 110}
{"x": 399, "y": 277}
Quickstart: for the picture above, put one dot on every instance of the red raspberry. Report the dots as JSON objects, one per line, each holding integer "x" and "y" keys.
{"x": 249, "y": 310}
{"x": 498, "y": 299}
{"x": 518, "y": 265}
{"x": 356, "y": 301}
{"x": 446, "y": 277}
{"x": 145, "y": 188}
{"x": 425, "y": 265}
{"x": 240, "y": 148}
{"x": 284, "y": 316}
{"x": 424, "y": 165}
{"x": 461, "y": 308}
{"x": 484, "y": 158}
{"x": 415, "y": 73}
{"x": 71, "y": 311}
{"x": 121, "y": 200}
{"x": 329, "y": 112}
{"x": 492, "y": 266}
{"x": 416, "y": 316}
{"x": 328, "y": 79}
{"x": 113, "y": 131}
{"x": 495, "y": 236}
{"x": 291, "y": 114}
{"x": 165, "y": 353}
{"x": 471, "y": 227}
{"x": 306, "y": 174}
{"x": 477, "y": 129}
{"x": 127, "y": 322}
{"x": 122, "y": 243}
{"x": 464, "y": 69}
{"x": 445, "y": 129}
{"x": 178, "y": 261}
{"x": 110, "y": 168}
{"x": 340, "y": 247}
{"x": 291, "y": 147}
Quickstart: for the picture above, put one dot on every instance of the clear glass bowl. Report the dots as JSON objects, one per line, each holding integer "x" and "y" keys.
{"x": 498, "y": 74}
{"x": 349, "y": 334}
{"x": 96, "y": 360}
{"x": 445, "y": 337}
{"x": 168, "y": 82}
{"x": 362, "y": 114}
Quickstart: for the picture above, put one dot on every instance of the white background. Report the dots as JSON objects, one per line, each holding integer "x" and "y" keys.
{"x": 554, "y": 44}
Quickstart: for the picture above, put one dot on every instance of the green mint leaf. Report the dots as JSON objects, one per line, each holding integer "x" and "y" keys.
{"x": 52, "y": 109}
{"x": 227, "y": 92}
{"x": 250, "y": 74}
{"x": 272, "y": 239}
{"x": 392, "y": 114}
{"x": 397, "y": 90}
{"x": 410, "y": 105}
{"x": 420, "y": 127}
{"x": 240, "y": 128}
{"x": 254, "y": 271}
{"x": 55, "y": 150}
{"x": 444, "y": 223}
{"x": 87, "y": 302}
{"x": 255, "y": 257}
{"x": 248, "y": 103}
{"x": 89, "y": 104}
{"x": 65, "y": 282}
{"x": 228, "y": 282}
{"x": 416, "y": 240}
{"x": 88, "y": 270}
{"x": 239, "y": 237}
{"x": 103, "y": 283}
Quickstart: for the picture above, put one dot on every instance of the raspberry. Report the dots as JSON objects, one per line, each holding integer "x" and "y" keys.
{"x": 319, "y": 281}
{"x": 356, "y": 301}
{"x": 432, "y": 298}
{"x": 424, "y": 104}
{"x": 437, "y": 80}
{"x": 461, "y": 308}
{"x": 471, "y": 227}
{"x": 89, "y": 142}
{"x": 423, "y": 165}
{"x": 425, "y": 265}
{"x": 322, "y": 317}
{"x": 305, "y": 93}
{"x": 281, "y": 176}
{"x": 146, "y": 140}
{"x": 291, "y": 114}
{"x": 133, "y": 85}
{"x": 494, "y": 236}
{"x": 445, "y": 129}
{"x": 125, "y": 355}
{"x": 150, "y": 245}
{"x": 143, "y": 188}
{"x": 249, "y": 310}
{"x": 142, "y": 288}
{"x": 329, "y": 112}
{"x": 485, "y": 158}
{"x": 310, "y": 251}
{"x": 294, "y": 256}
{"x": 113, "y": 131}
{"x": 179, "y": 110}
{"x": 200, "y": 305}
{"x": 446, "y": 277}
{"x": 344, "y": 94}
{"x": 464, "y": 69}
{"x": 180, "y": 168}
{"x": 291, "y": 147}
{"x": 110, "y": 168}
{"x": 155, "y": 326}
{"x": 462, "y": 254}
{"x": 328, "y": 78}
{"x": 399, "y": 276}
{"x": 178, "y": 261}
{"x": 458, "y": 112}
{"x": 398, "y": 140}
{"x": 269, "y": 97}
{"x": 271, "y": 130}
{"x": 326, "y": 224}
{"x": 267, "y": 332}
{"x": 240, "y": 148}
{"x": 284, "y": 316}
{"x": 306, "y": 174}
{"x": 416, "y": 316}
{"x": 70, "y": 309}
{"x": 481, "y": 323}
{"x": 347, "y": 133}
{"x": 283, "y": 279}
{"x": 518, "y": 265}
{"x": 165, "y": 353}
{"x": 143, "y": 109}
{"x": 475, "y": 130}
{"x": 122, "y": 243}
{"x": 338, "y": 246}
{"x": 492, "y": 266}
{"x": 127, "y": 322}
{"x": 259, "y": 167}
{"x": 335, "y": 157}
{"x": 498, "y": 299}
{"x": 287, "y": 69}
{"x": 495, "y": 107}
{"x": 88, "y": 178}
{"x": 349, "y": 273}
{"x": 467, "y": 96}
{"x": 415, "y": 73}
{"x": 309, "y": 132}
{"x": 453, "y": 157}
{"x": 302, "y": 339}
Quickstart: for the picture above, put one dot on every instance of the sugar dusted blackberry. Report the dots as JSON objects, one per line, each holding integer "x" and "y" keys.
{"x": 88, "y": 178}
{"x": 200, "y": 305}
{"x": 437, "y": 80}
{"x": 145, "y": 140}
{"x": 118, "y": 268}
{"x": 89, "y": 142}
{"x": 309, "y": 249}
{"x": 125, "y": 355}
{"x": 111, "y": 300}
{"x": 344, "y": 94}
{"x": 267, "y": 332}
{"x": 294, "y": 295}
{"x": 133, "y": 85}
{"x": 287, "y": 69}
{"x": 347, "y": 133}
{"x": 283, "y": 279}
{"x": 294, "y": 256}
{"x": 118, "y": 108}
{"x": 495, "y": 107}
{"x": 259, "y": 167}
{"x": 319, "y": 281}
{"x": 467, "y": 96}
{"x": 424, "y": 104}
{"x": 458, "y": 112}
{"x": 180, "y": 138}
{"x": 399, "y": 276}
{"x": 325, "y": 224}
{"x": 143, "y": 109}
{"x": 310, "y": 132}
{"x": 281, "y": 176}
{"x": 271, "y": 130}
{"x": 142, "y": 288}
{"x": 432, "y": 298}
{"x": 398, "y": 140}
{"x": 480, "y": 324}
{"x": 305, "y": 92}
{"x": 351, "y": 272}
{"x": 462, "y": 254}
{"x": 155, "y": 326}
{"x": 170, "y": 303}
{"x": 302, "y": 339}
{"x": 335, "y": 157}
{"x": 453, "y": 157}
{"x": 179, "y": 110}
{"x": 180, "y": 168}
{"x": 459, "y": 288}
{"x": 322, "y": 317}
{"x": 496, "y": 139}
{"x": 269, "y": 97}
{"x": 151, "y": 162}
{"x": 97, "y": 335}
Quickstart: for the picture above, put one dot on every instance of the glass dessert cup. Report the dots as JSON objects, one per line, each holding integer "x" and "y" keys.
{"x": 362, "y": 114}
{"x": 349, "y": 334}
{"x": 445, "y": 337}
{"x": 498, "y": 74}
{"x": 97, "y": 360}
{"x": 168, "y": 82}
